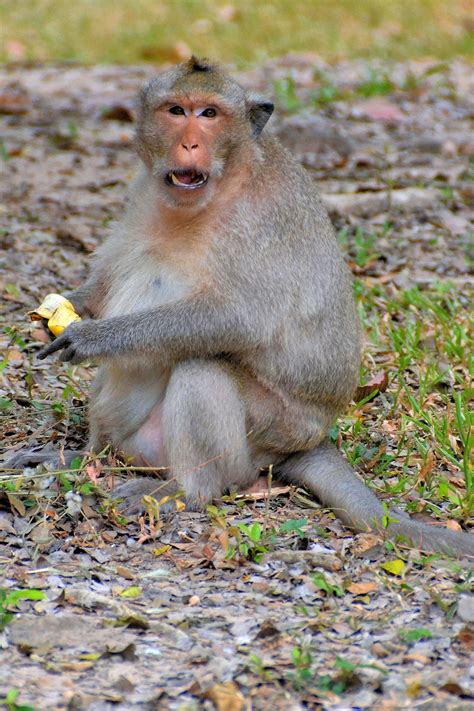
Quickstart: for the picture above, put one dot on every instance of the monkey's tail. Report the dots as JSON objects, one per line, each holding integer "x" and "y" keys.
{"x": 326, "y": 473}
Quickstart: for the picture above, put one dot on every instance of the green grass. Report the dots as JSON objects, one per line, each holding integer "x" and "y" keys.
{"x": 423, "y": 340}
{"x": 146, "y": 30}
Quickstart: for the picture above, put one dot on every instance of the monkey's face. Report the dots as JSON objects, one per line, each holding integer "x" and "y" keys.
{"x": 190, "y": 150}
{"x": 196, "y": 127}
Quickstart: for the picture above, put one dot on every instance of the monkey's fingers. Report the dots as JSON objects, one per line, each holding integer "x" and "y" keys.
{"x": 61, "y": 342}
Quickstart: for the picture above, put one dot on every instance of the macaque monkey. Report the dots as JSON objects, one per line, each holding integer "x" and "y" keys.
{"x": 222, "y": 316}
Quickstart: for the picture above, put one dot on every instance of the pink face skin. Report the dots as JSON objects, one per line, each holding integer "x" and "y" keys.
{"x": 192, "y": 128}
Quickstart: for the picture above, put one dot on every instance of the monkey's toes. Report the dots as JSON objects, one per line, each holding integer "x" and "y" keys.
{"x": 31, "y": 458}
{"x": 132, "y": 492}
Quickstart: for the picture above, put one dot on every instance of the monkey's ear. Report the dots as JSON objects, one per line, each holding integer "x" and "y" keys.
{"x": 259, "y": 111}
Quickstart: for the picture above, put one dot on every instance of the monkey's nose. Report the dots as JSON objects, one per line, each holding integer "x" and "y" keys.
{"x": 191, "y": 147}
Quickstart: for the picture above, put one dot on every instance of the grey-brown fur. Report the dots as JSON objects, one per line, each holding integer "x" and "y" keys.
{"x": 225, "y": 329}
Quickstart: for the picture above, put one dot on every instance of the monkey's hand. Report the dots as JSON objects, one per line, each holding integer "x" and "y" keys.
{"x": 79, "y": 342}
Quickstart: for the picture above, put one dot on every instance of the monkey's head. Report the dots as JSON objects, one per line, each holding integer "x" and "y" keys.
{"x": 195, "y": 125}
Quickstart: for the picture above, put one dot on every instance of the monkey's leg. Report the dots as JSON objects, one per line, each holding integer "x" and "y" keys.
{"x": 146, "y": 448}
{"x": 326, "y": 473}
{"x": 204, "y": 430}
{"x": 203, "y": 420}
{"x": 31, "y": 458}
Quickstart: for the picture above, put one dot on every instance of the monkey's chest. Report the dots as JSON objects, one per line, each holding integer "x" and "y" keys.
{"x": 144, "y": 287}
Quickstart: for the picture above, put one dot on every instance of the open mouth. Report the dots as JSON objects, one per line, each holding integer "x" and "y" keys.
{"x": 187, "y": 179}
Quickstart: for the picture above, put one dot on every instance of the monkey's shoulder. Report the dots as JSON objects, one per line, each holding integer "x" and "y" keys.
{"x": 286, "y": 191}
{"x": 280, "y": 163}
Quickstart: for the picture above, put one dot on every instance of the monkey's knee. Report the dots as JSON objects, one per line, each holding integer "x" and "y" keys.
{"x": 201, "y": 396}
{"x": 204, "y": 429}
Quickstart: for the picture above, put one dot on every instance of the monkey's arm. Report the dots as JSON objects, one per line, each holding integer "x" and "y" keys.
{"x": 194, "y": 327}
{"x": 87, "y": 298}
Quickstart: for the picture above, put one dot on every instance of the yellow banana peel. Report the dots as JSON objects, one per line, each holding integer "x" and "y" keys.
{"x": 57, "y": 311}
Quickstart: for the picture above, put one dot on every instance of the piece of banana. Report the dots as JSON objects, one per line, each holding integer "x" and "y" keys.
{"x": 57, "y": 311}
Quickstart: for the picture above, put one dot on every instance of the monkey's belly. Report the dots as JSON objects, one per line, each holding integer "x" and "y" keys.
{"x": 146, "y": 445}
{"x": 126, "y": 411}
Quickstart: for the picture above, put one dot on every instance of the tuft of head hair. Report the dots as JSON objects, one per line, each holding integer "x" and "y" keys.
{"x": 200, "y": 65}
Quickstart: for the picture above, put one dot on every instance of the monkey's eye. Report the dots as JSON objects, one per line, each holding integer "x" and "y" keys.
{"x": 177, "y": 111}
{"x": 209, "y": 113}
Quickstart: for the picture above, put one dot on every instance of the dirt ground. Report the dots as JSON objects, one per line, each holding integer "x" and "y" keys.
{"x": 289, "y": 610}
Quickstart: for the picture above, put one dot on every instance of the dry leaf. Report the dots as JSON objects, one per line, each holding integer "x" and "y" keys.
{"x": 453, "y": 525}
{"x": 162, "y": 549}
{"x": 41, "y": 534}
{"x": 12, "y": 102}
{"x": 92, "y": 473}
{"x": 118, "y": 112}
{"x": 15, "y": 356}
{"x": 16, "y": 503}
{"x": 365, "y": 542}
{"x": 395, "y": 567}
{"x": 378, "y": 383}
{"x": 362, "y": 588}
{"x": 413, "y": 657}
{"x": 134, "y": 591}
{"x": 379, "y": 650}
{"x": 453, "y": 442}
{"x": 76, "y": 666}
{"x": 124, "y": 572}
{"x": 390, "y": 427}
{"x": 415, "y": 688}
{"x": 452, "y": 687}
{"x": 466, "y": 638}
{"x": 226, "y": 696}
{"x": 427, "y": 466}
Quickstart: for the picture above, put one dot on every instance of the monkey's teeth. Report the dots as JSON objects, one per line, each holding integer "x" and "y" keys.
{"x": 189, "y": 180}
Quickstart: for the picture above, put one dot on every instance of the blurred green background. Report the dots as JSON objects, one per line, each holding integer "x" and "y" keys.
{"x": 246, "y": 31}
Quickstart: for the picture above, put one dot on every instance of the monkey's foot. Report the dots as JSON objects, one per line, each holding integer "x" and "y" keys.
{"x": 53, "y": 459}
{"x": 132, "y": 492}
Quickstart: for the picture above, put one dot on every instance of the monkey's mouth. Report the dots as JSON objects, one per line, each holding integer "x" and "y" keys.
{"x": 187, "y": 179}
